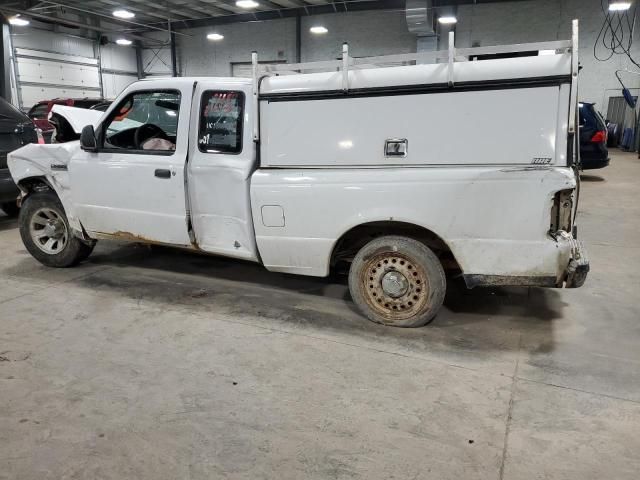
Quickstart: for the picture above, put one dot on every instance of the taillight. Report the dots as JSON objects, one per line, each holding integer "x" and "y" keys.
{"x": 40, "y": 137}
{"x": 599, "y": 137}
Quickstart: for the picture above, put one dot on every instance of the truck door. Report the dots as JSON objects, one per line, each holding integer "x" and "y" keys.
{"x": 134, "y": 185}
{"x": 221, "y": 161}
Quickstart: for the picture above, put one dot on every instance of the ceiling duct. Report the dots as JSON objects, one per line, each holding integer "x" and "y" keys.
{"x": 419, "y": 14}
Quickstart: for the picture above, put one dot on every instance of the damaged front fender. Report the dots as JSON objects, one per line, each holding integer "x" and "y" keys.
{"x": 50, "y": 163}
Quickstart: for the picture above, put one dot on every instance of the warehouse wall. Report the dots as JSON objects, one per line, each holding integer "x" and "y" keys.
{"x": 273, "y": 40}
{"x": 368, "y": 33}
{"x": 541, "y": 20}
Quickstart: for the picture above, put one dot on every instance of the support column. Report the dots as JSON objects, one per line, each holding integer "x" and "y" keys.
{"x": 174, "y": 62}
{"x": 298, "y": 39}
{"x": 5, "y": 56}
{"x": 139, "y": 65}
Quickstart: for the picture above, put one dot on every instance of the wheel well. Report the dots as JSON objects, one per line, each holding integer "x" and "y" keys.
{"x": 353, "y": 240}
{"x": 34, "y": 184}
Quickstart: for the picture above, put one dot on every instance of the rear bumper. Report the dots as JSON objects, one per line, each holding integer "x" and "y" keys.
{"x": 576, "y": 272}
{"x": 8, "y": 189}
{"x": 571, "y": 268}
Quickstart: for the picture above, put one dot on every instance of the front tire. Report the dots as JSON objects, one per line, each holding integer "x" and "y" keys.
{"x": 397, "y": 281}
{"x": 46, "y": 234}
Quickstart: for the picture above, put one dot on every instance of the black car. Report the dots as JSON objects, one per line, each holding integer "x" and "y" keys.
{"x": 16, "y": 130}
{"x": 593, "y": 138}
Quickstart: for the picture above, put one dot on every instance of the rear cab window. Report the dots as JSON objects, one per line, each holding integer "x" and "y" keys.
{"x": 221, "y": 120}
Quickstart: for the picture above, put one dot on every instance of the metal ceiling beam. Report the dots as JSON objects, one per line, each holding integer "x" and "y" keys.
{"x": 217, "y": 6}
{"x": 177, "y": 11}
{"x": 354, "y": 6}
{"x": 72, "y": 23}
{"x": 111, "y": 18}
{"x": 139, "y": 9}
{"x": 263, "y": 3}
{"x": 202, "y": 8}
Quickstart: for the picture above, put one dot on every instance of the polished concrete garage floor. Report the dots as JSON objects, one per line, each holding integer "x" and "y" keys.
{"x": 159, "y": 364}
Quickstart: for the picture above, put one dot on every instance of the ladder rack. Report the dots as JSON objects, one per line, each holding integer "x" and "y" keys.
{"x": 452, "y": 55}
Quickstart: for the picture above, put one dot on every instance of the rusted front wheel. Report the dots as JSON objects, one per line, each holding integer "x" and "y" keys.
{"x": 397, "y": 281}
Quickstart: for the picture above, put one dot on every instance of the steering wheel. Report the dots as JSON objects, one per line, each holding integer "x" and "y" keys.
{"x": 146, "y": 132}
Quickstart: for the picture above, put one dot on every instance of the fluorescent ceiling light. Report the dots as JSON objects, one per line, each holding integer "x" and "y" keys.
{"x": 247, "y": 4}
{"x": 619, "y": 6}
{"x": 318, "y": 30}
{"x": 447, "y": 20}
{"x": 546, "y": 52}
{"x": 18, "y": 21}
{"x": 215, "y": 36}
{"x": 123, "y": 14}
{"x": 123, "y": 41}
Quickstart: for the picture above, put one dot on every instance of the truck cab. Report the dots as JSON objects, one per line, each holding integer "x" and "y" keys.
{"x": 165, "y": 148}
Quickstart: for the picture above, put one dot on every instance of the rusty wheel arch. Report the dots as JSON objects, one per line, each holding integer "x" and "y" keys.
{"x": 351, "y": 241}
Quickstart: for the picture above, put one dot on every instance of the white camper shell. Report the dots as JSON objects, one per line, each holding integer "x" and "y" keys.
{"x": 400, "y": 174}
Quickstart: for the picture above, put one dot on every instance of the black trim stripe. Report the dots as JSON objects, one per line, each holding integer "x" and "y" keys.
{"x": 531, "y": 82}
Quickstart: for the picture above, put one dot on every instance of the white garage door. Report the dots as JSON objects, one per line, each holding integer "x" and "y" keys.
{"x": 45, "y": 75}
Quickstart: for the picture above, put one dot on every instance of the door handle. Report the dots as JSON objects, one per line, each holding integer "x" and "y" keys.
{"x": 163, "y": 173}
{"x": 396, "y": 147}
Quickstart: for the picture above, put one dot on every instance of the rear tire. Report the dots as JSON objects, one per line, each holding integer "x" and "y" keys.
{"x": 10, "y": 208}
{"x": 397, "y": 281}
{"x": 46, "y": 234}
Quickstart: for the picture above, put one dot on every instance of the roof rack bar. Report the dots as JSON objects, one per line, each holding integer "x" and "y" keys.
{"x": 573, "y": 99}
{"x": 255, "y": 87}
{"x": 460, "y": 55}
{"x": 452, "y": 57}
{"x": 345, "y": 67}
{"x": 283, "y": 67}
{"x": 518, "y": 47}
{"x": 400, "y": 57}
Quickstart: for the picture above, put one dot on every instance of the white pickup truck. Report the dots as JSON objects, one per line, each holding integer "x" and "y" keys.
{"x": 402, "y": 173}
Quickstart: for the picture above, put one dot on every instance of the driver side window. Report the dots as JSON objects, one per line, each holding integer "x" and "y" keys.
{"x": 144, "y": 122}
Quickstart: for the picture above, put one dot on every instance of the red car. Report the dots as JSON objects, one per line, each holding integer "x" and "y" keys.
{"x": 39, "y": 113}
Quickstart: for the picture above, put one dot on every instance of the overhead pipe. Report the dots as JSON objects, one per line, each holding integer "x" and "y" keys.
{"x": 73, "y": 24}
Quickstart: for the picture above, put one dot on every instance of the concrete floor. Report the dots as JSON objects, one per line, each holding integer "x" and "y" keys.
{"x": 158, "y": 364}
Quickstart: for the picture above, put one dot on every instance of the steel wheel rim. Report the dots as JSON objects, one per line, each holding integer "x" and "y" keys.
{"x": 399, "y": 300}
{"x": 48, "y": 231}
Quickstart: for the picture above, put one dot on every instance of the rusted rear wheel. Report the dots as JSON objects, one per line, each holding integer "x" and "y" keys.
{"x": 397, "y": 281}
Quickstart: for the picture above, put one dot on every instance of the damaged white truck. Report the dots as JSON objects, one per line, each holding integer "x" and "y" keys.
{"x": 403, "y": 174}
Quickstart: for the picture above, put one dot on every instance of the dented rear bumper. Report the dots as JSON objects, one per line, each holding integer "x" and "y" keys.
{"x": 565, "y": 258}
{"x": 576, "y": 271}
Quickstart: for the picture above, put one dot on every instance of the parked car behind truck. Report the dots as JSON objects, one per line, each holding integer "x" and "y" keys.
{"x": 16, "y": 130}
{"x": 304, "y": 172}
{"x": 593, "y": 138}
{"x": 40, "y": 112}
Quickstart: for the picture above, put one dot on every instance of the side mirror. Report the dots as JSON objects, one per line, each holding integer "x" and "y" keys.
{"x": 88, "y": 139}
